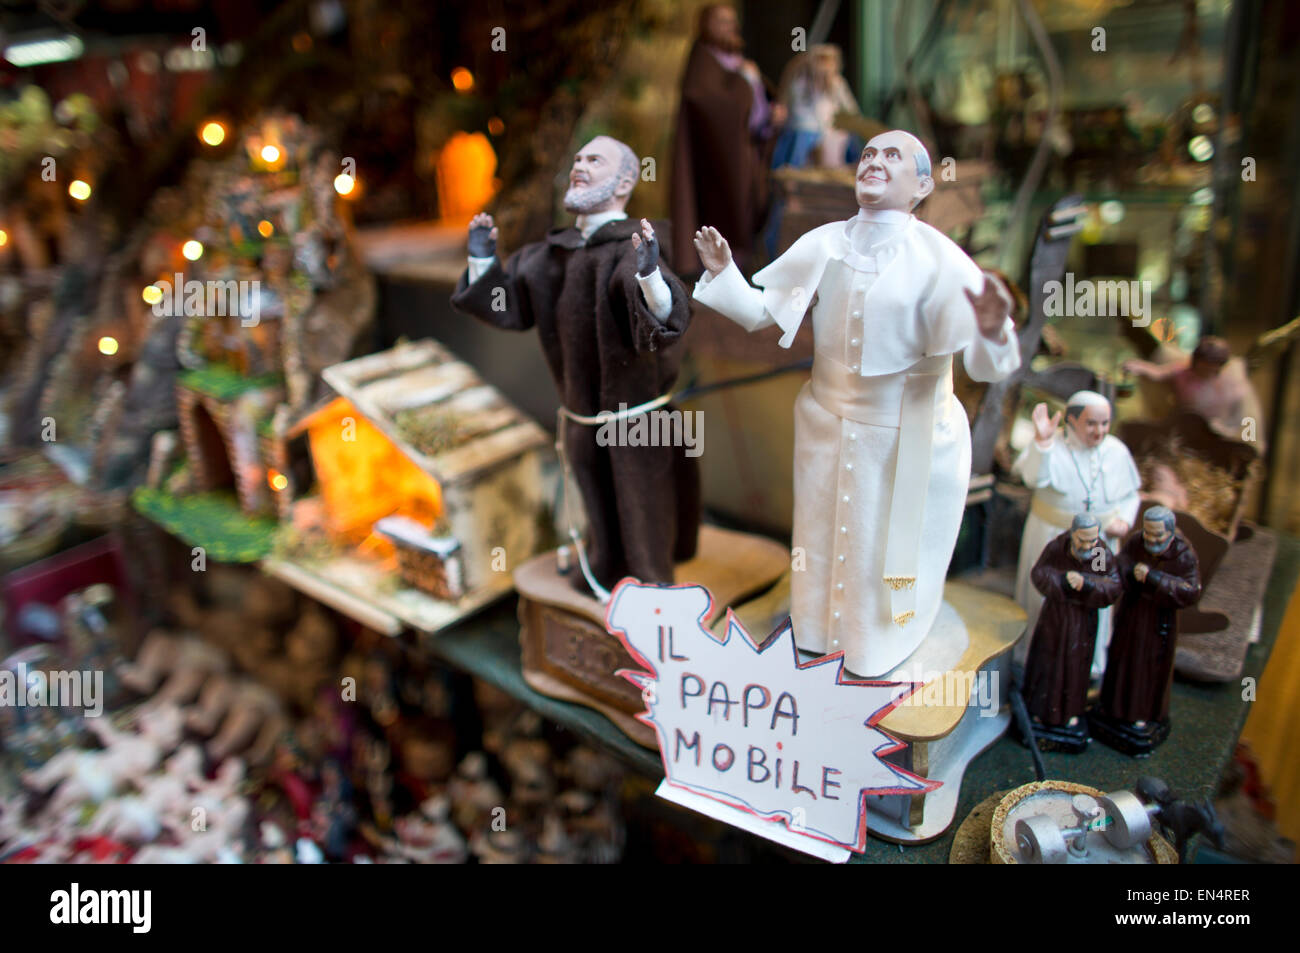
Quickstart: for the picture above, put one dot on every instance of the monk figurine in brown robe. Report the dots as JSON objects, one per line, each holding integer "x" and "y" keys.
{"x": 1077, "y": 577}
{"x": 1161, "y": 575}
{"x": 610, "y": 319}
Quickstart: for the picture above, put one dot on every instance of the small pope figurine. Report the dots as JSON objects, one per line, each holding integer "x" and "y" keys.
{"x": 1161, "y": 575}
{"x": 1076, "y": 576}
{"x": 1085, "y": 471}
{"x": 882, "y": 447}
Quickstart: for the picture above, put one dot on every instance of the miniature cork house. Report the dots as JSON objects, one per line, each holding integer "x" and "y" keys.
{"x": 418, "y": 451}
{"x": 220, "y": 413}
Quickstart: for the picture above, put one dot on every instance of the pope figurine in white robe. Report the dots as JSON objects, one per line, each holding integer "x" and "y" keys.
{"x": 1086, "y": 470}
{"x": 882, "y": 447}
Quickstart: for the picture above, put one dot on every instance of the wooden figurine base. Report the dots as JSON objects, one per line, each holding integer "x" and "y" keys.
{"x": 961, "y": 710}
{"x": 568, "y": 654}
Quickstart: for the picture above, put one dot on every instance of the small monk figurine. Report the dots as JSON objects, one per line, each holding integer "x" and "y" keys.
{"x": 1161, "y": 575}
{"x": 1077, "y": 577}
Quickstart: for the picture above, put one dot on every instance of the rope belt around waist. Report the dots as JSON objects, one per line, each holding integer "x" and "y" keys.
{"x": 907, "y": 401}
{"x": 605, "y": 416}
{"x": 566, "y": 474}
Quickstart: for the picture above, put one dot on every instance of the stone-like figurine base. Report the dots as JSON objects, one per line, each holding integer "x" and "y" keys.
{"x": 1126, "y": 737}
{"x": 1062, "y": 738}
{"x": 567, "y": 652}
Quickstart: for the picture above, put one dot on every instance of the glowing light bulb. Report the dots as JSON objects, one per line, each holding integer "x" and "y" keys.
{"x": 79, "y": 190}
{"x": 270, "y": 154}
{"x": 462, "y": 79}
{"x": 108, "y": 345}
{"x": 1111, "y": 212}
{"x": 152, "y": 294}
{"x": 276, "y": 480}
{"x": 265, "y": 228}
{"x": 213, "y": 133}
{"x": 193, "y": 250}
{"x": 344, "y": 183}
{"x": 4, "y": 238}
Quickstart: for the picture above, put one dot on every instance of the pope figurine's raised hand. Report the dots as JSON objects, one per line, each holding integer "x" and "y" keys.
{"x": 882, "y": 447}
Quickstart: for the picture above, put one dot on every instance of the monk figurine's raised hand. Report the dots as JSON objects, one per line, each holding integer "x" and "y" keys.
{"x": 992, "y": 305}
{"x": 482, "y": 236}
{"x": 713, "y": 249}
{"x": 647, "y": 249}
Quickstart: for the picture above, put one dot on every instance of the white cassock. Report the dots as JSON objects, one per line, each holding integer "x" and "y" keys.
{"x": 890, "y": 313}
{"x": 1067, "y": 479}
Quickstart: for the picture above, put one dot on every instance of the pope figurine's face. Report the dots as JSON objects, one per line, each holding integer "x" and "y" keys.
{"x": 1156, "y": 536}
{"x": 1092, "y": 425}
{"x": 888, "y": 178}
{"x": 597, "y": 182}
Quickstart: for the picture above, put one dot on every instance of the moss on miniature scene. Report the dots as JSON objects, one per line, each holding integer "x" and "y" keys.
{"x": 224, "y": 382}
{"x": 213, "y": 521}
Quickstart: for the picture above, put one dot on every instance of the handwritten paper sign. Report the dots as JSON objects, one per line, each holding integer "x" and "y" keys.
{"x": 751, "y": 727}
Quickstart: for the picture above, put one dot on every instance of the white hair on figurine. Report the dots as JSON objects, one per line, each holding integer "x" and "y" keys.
{"x": 629, "y": 166}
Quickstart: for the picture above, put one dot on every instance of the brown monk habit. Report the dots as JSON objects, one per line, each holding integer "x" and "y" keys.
{"x": 1060, "y": 655}
{"x": 604, "y": 347}
{"x": 1140, "y": 660}
{"x": 719, "y": 167}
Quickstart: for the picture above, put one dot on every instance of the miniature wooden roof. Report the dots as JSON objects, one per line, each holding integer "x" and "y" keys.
{"x": 436, "y": 410}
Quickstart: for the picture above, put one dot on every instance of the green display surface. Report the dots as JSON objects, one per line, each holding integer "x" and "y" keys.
{"x": 212, "y": 521}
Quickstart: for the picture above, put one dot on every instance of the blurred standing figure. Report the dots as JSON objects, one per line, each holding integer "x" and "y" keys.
{"x": 813, "y": 92}
{"x": 724, "y": 122}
